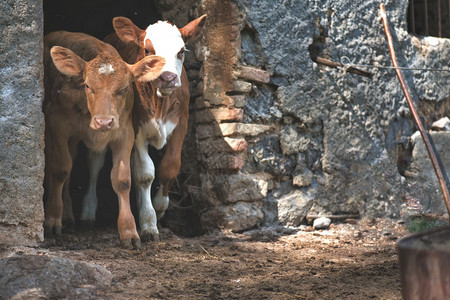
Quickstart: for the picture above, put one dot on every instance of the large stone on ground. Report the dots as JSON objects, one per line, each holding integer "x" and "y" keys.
{"x": 43, "y": 277}
{"x": 422, "y": 180}
{"x": 293, "y": 207}
{"x": 236, "y": 217}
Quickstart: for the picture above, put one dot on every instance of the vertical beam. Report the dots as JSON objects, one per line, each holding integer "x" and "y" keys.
{"x": 438, "y": 3}
{"x": 412, "y": 17}
{"x": 425, "y": 9}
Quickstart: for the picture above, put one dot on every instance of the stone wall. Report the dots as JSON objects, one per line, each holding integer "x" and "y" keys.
{"x": 278, "y": 137}
{"x": 21, "y": 123}
{"x": 273, "y": 136}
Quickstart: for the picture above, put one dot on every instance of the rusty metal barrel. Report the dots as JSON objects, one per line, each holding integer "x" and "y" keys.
{"x": 425, "y": 265}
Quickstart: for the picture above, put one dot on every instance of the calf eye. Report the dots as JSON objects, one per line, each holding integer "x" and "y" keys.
{"x": 86, "y": 86}
{"x": 180, "y": 54}
{"x": 122, "y": 91}
{"x": 147, "y": 52}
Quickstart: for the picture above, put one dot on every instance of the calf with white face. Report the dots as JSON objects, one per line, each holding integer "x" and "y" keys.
{"x": 160, "y": 114}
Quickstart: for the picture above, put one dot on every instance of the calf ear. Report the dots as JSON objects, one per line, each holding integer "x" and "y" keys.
{"x": 66, "y": 61}
{"x": 126, "y": 30}
{"x": 193, "y": 29}
{"x": 148, "y": 68}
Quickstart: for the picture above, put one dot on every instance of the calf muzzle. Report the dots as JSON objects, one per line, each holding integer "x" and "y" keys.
{"x": 166, "y": 83}
{"x": 103, "y": 123}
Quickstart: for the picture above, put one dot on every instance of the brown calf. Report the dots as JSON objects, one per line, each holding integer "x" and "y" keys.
{"x": 89, "y": 97}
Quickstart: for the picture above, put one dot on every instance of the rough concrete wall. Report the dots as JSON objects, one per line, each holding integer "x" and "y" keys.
{"x": 21, "y": 122}
{"x": 310, "y": 139}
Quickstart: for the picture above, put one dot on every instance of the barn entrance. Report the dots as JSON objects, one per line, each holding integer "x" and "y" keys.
{"x": 94, "y": 17}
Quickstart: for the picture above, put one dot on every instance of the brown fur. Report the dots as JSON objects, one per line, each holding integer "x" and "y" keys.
{"x": 149, "y": 109}
{"x": 77, "y": 96}
{"x": 130, "y": 45}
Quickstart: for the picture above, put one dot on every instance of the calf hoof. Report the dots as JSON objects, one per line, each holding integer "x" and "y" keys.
{"x": 131, "y": 243}
{"x": 148, "y": 236}
{"x": 68, "y": 222}
{"x": 50, "y": 231}
{"x": 86, "y": 225}
{"x": 69, "y": 228}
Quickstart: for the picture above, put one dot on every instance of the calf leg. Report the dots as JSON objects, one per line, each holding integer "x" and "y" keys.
{"x": 121, "y": 183}
{"x": 60, "y": 165}
{"x": 96, "y": 160}
{"x": 143, "y": 176}
{"x": 161, "y": 200}
{"x": 169, "y": 167}
{"x": 67, "y": 217}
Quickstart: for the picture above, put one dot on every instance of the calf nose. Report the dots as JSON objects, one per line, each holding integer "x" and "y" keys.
{"x": 168, "y": 78}
{"x": 103, "y": 123}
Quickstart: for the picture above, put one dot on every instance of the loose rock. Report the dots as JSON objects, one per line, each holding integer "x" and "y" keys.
{"x": 321, "y": 223}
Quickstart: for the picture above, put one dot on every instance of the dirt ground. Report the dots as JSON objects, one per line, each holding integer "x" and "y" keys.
{"x": 346, "y": 261}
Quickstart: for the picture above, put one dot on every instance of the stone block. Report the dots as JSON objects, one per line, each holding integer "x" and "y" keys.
{"x": 213, "y": 146}
{"x": 242, "y": 87}
{"x": 442, "y": 124}
{"x": 200, "y": 103}
{"x": 229, "y": 129}
{"x": 238, "y": 101}
{"x": 203, "y": 116}
{"x": 224, "y": 162}
{"x": 242, "y": 187}
{"x": 237, "y": 145}
{"x": 205, "y": 131}
{"x": 226, "y": 114}
{"x": 304, "y": 179}
{"x": 241, "y": 216}
{"x": 253, "y": 74}
{"x": 293, "y": 207}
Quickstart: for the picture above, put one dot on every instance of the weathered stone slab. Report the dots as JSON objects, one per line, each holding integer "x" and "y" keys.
{"x": 43, "y": 277}
{"x": 253, "y": 74}
{"x": 224, "y": 162}
{"x": 236, "y": 145}
{"x": 240, "y": 86}
{"x": 21, "y": 123}
{"x": 424, "y": 185}
{"x": 241, "y": 216}
{"x": 243, "y": 129}
{"x": 241, "y": 188}
{"x": 293, "y": 207}
{"x": 227, "y": 114}
{"x": 214, "y": 146}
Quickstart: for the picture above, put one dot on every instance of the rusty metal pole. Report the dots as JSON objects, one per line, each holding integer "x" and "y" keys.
{"x": 423, "y": 133}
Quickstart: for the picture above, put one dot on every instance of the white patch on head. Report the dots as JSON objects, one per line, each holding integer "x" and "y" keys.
{"x": 106, "y": 69}
{"x": 167, "y": 42}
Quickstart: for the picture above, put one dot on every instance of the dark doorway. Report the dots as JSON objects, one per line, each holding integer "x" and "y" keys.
{"x": 95, "y": 16}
